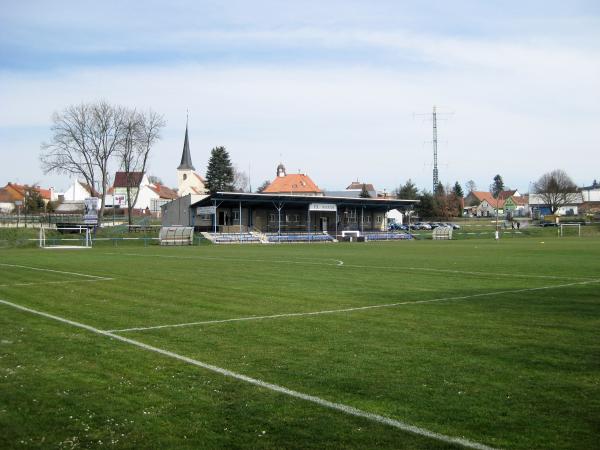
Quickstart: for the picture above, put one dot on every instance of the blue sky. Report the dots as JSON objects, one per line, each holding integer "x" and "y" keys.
{"x": 332, "y": 89}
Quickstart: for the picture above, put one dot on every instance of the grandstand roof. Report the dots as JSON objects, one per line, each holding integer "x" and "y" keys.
{"x": 268, "y": 199}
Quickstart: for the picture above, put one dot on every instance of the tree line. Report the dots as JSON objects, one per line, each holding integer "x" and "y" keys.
{"x": 555, "y": 189}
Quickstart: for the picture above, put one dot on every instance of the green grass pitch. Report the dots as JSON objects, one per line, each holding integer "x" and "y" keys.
{"x": 494, "y": 343}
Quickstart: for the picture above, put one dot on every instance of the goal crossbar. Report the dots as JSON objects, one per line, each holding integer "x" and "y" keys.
{"x": 567, "y": 225}
{"x": 74, "y": 243}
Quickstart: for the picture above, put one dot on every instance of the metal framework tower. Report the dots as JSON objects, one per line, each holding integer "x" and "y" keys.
{"x": 435, "y": 156}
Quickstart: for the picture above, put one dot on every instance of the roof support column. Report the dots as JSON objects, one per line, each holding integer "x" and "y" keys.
{"x": 215, "y": 216}
{"x": 336, "y": 222}
{"x": 308, "y": 223}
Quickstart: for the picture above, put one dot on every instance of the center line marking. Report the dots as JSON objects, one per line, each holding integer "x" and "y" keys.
{"x": 358, "y": 308}
{"x": 350, "y": 410}
{"x": 356, "y": 266}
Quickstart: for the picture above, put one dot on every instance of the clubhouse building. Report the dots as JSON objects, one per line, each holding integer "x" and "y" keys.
{"x": 233, "y": 212}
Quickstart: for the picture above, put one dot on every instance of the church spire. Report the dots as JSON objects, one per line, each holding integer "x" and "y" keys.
{"x": 186, "y": 158}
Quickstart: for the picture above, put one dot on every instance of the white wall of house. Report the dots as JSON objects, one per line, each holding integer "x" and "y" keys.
{"x": 484, "y": 209}
{"x": 536, "y": 201}
{"x": 76, "y": 192}
{"x": 7, "y": 207}
{"x": 591, "y": 195}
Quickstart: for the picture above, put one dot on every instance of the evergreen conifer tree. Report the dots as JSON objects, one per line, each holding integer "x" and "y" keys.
{"x": 219, "y": 174}
{"x": 457, "y": 190}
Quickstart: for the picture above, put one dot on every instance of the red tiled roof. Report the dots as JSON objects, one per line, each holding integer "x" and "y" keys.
{"x": 505, "y": 194}
{"x": 17, "y": 191}
{"x": 294, "y": 183}
{"x": 487, "y": 196}
{"x": 121, "y": 178}
{"x": 164, "y": 191}
{"x": 200, "y": 178}
{"x": 521, "y": 201}
{"x": 5, "y": 196}
{"x": 45, "y": 193}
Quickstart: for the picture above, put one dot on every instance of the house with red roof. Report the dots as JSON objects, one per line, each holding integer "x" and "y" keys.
{"x": 293, "y": 184}
{"x": 483, "y": 204}
{"x": 14, "y": 192}
{"x": 150, "y": 196}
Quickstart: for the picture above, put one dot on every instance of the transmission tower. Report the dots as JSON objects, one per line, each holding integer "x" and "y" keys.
{"x": 435, "y": 158}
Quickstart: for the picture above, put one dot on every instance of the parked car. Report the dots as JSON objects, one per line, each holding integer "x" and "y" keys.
{"x": 423, "y": 226}
{"x": 397, "y": 227}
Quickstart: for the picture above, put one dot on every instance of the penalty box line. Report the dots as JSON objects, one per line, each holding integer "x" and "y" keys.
{"x": 349, "y": 410}
{"x": 346, "y": 310}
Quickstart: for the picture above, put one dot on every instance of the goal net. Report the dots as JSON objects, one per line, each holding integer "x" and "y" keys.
{"x": 65, "y": 237}
{"x": 570, "y": 229}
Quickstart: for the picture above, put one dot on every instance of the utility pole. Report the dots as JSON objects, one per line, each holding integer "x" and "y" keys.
{"x": 435, "y": 156}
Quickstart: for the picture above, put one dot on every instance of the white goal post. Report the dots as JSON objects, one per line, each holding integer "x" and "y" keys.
{"x": 77, "y": 241}
{"x": 567, "y": 225}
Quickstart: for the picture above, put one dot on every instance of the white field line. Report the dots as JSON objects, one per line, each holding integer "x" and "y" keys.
{"x": 358, "y": 308}
{"x": 265, "y": 385}
{"x": 358, "y": 266}
{"x": 54, "y": 271}
{"x": 56, "y": 282}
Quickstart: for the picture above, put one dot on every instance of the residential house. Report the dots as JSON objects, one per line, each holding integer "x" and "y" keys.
{"x": 517, "y": 206}
{"x": 13, "y": 192}
{"x": 539, "y": 206}
{"x": 79, "y": 191}
{"x": 357, "y": 187}
{"x": 482, "y": 204}
{"x": 591, "y": 198}
{"x": 150, "y": 197}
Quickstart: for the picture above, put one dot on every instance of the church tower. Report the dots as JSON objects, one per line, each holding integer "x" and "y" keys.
{"x": 188, "y": 181}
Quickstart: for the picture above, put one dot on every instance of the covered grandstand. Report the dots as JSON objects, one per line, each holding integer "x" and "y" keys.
{"x": 280, "y": 217}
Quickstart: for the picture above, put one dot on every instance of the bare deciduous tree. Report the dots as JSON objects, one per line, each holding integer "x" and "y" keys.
{"x": 85, "y": 137}
{"x": 139, "y": 133}
{"x": 471, "y": 186}
{"x": 241, "y": 182}
{"x": 555, "y": 189}
{"x": 69, "y": 151}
